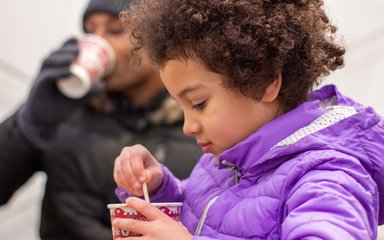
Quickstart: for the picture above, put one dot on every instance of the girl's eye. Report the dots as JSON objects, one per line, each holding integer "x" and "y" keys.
{"x": 199, "y": 106}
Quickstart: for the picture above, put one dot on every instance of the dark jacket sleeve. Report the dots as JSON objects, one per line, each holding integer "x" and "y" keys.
{"x": 18, "y": 159}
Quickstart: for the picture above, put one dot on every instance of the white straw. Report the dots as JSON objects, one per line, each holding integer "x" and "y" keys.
{"x": 145, "y": 190}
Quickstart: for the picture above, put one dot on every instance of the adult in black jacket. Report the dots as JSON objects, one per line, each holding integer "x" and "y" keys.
{"x": 75, "y": 142}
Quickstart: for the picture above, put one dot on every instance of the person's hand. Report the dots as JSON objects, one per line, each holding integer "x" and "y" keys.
{"x": 158, "y": 227}
{"x": 134, "y": 166}
{"x": 46, "y": 107}
{"x": 45, "y": 104}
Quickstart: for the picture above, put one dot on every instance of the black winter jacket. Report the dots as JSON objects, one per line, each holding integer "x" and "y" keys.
{"x": 79, "y": 162}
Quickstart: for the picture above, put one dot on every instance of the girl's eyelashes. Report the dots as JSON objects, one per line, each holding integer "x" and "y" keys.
{"x": 200, "y": 105}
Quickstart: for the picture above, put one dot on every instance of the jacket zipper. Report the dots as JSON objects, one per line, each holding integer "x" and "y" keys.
{"x": 235, "y": 170}
{"x": 204, "y": 215}
{"x": 210, "y": 203}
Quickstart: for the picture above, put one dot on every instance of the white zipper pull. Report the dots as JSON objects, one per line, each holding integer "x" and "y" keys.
{"x": 235, "y": 170}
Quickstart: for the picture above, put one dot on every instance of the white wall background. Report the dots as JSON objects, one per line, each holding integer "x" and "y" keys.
{"x": 31, "y": 29}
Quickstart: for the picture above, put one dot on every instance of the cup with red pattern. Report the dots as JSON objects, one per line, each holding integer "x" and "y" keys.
{"x": 96, "y": 60}
{"x": 171, "y": 209}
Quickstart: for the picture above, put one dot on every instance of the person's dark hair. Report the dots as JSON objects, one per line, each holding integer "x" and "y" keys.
{"x": 249, "y": 42}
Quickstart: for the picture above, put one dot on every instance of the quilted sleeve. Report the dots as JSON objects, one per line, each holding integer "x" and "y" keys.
{"x": 332, "y": 202}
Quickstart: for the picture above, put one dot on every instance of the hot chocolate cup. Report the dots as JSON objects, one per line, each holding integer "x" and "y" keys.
{"x": 172, "y": 209}
{"x": 96, "y": 60}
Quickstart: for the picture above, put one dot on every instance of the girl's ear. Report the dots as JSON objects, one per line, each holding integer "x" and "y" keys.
{"x": 272, "y": 91}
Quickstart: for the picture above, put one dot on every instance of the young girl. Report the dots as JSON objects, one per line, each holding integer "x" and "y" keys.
{"x": 279, "y": 162}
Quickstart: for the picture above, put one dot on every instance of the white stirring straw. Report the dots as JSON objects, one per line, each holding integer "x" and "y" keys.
{"x": 145, "y": 190}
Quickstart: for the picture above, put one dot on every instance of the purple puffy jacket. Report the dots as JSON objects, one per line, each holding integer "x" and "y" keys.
{"x": 316, "y": 172}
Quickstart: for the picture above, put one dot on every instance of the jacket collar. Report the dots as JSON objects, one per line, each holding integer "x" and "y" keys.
{"x": 247, "y": 153}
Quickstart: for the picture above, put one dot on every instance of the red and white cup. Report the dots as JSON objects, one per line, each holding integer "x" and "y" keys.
{"x": 96, "y": 60}
{"x": 172, "y": 209}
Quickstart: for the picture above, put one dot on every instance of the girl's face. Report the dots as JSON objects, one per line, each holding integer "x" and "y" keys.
{"x": 218, "y": 117}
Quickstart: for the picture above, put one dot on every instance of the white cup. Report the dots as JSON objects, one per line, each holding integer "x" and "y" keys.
{"x": 96, "y": 60}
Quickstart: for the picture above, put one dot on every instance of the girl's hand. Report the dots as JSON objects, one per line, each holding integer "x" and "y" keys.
{"x": 134, "y": 166}
{"x": 158, "y": 227}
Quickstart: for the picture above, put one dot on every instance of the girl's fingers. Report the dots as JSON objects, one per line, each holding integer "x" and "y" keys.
{"x": 130, "y": 168}
{"x": 148, "y": 175}
{"x": 123, "y": 173}
{"x": 136, "y": 226}
{"x": 132, "y": 180}
{"x": 137, "y": 165}
{"x": 146, "y": 209}
{"x": 118, "y": 175}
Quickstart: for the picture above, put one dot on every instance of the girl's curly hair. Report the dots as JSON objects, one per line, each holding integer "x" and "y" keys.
{"x": 249, "y": 42}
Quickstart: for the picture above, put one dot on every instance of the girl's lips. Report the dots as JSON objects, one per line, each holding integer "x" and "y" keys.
{"x": 206, "y": 147}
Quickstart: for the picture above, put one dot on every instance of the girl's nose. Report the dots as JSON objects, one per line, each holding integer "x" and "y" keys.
{"x": 191, "y": 127}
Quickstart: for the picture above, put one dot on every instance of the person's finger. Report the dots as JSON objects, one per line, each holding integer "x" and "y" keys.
{"x": 137, "y": 164}
{"x": 123, "y": 176}
{"x": 117, "y": 173}
{"x": 132, "y": 225}
{"x": 146, "y": 209}
{"x": 71, "y": 45}
{"x": 58, "y": 59}
{"x": 136, "y": 167}
{"x": 51, "y": 75}
{"x": 129, "y": 160}
{"x": 148, "y": 175}
{"x": 132, "y": 179}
